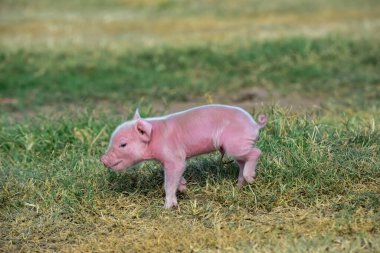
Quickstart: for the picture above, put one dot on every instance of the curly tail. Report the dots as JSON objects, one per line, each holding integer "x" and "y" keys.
{"x": 262, "y": 120}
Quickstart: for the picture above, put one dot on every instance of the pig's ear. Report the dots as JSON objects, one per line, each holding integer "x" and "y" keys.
{"x": 137, "y": 115}
{"x": 144, "y": 129}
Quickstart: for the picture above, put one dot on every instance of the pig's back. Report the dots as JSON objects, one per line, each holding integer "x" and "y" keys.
{"x": 200, "y": 129}
{"x": 213, "y": 114}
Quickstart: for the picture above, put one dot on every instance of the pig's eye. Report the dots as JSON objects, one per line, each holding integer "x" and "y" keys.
{"x": 123, "y": 145}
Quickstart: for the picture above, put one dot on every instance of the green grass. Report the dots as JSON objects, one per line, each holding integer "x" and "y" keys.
{"x": 313, "y": 68}
{"x": 318, "y": 185}
{"x": 327, "y": 69}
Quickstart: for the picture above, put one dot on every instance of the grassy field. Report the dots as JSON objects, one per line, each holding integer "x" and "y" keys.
{"x": 71, "y": 71}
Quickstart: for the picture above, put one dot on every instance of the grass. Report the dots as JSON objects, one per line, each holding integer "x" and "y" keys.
{"x": 134, "y": 24}
{"x": 317, "y": 188}
{"x": 318, "y": 184}
{"x": 311, "y": 68}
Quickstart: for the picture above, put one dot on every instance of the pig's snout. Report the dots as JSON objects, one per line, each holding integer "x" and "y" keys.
{"x": 105, "y": 160}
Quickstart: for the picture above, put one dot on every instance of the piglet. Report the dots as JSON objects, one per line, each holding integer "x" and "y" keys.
{"x": 174, "y": 138}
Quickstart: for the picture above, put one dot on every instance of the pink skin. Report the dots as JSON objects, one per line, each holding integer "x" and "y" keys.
{"x": 174, "y": 138}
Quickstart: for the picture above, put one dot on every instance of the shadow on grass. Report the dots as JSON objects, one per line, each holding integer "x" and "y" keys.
{"x": 149, "y": 176}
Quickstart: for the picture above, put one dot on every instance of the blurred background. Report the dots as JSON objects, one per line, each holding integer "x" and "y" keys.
{"x": 167, "y": 55}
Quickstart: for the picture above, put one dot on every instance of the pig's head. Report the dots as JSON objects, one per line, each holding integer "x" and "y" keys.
{"x": 128, "y": 144}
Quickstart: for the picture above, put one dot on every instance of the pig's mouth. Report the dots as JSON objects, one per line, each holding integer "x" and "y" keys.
{"x": 115, "y": 164}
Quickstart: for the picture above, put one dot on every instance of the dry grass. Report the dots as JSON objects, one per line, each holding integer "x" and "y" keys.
{"x": 137, "y": 223}
{"x": 123, "y": 225}
{"x": 147, "y": 25}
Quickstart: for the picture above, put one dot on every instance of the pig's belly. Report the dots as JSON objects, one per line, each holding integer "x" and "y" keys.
{"x": 201, "y": 147}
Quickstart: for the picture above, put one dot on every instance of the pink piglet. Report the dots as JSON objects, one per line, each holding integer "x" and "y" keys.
{"x": 173, "y": 138}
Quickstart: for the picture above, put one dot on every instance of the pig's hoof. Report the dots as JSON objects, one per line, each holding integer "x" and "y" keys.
{"x": 250, "y": 179}
{"x": 170, "y": 205}
{"x": 240, "y": 184}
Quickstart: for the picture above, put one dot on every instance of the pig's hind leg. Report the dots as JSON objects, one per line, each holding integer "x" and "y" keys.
{"x": 241, "y": 180}
{"x": 249, "y": 171}
{"x": 247, "y": 157}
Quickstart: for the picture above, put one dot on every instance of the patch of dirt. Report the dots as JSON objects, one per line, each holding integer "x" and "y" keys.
{"x": 251, "y": 99}
{"x": 8, "y": 101}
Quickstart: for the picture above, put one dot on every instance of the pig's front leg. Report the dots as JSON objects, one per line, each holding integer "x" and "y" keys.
{"x": 182, "y": 185}
{"x": 173, "y": 175}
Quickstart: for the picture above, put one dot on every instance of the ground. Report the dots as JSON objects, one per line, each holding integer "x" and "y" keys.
{"x": 71, "y": 71}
